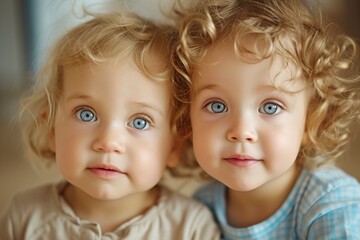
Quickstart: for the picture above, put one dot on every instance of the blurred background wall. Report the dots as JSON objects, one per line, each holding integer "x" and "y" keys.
{"x": 27, "y": 30}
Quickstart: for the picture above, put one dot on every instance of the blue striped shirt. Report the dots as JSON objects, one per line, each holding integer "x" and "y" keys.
{"x": 324, "y": 204}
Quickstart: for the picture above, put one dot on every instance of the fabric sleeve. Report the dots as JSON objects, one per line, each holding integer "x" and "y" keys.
{"x": 7, "y": 223}
{"x": 336, "y": 215}
{"x": 204, "y": 226}
{"x": 341, "y": 223}
{"x": 208, "y": 195}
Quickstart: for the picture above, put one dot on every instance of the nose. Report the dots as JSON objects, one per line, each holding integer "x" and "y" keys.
{"x": 242, "y": 129}
{"x": 110, "y": 139}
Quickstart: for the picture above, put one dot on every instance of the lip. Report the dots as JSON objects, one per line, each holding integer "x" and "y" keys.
{"x": 105, "y": 171}
{"x": 243, "y": 161}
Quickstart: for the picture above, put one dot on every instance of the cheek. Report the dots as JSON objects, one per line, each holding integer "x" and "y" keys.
{"x": 155, "y": 148}
{"x": 66, "y": 151}
{"x": 65, "y": 137}
{"x": 70, "y": 142}
{"x": 288, "y": 147}
{"x": 65, "y": 146}
{"x": 150, "y": 161}
{"x": 207, "y": 142}
{"x": 283, "y": 144}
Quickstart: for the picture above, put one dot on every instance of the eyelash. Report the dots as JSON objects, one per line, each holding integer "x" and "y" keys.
{"x": 145, "y": 116}
{"x": 277, "y": 104}
{"x": 78, "y": 110}
{"x": 212, "y": 101}
{"x": 77, "y": 113}
{"x": 279, "y": 107}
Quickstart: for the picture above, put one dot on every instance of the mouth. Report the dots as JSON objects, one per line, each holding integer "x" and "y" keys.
{"x": 105, "y": 171}
{"x": 243, "y": 161}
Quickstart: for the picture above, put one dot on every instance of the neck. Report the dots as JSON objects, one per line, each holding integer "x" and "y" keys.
{"x": 245, "y": 209}
{"x": 110, "y": 214}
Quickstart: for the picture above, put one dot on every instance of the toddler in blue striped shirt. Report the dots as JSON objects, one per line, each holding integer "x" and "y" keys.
{"x": 268, "y": 98}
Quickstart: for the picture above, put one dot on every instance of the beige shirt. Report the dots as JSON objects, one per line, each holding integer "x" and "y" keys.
{"x": 42, "y": 213}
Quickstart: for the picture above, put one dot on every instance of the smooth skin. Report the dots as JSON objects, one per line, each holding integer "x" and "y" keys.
{"x": 112, "y": 140}
{"x": 246, "y": 132}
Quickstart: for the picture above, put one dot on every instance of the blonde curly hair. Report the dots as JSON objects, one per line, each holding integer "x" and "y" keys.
{"x": 103, "y": 39}
{"x": 324, "y": 61}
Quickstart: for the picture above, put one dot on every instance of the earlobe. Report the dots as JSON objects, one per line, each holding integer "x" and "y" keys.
{"x": 51, "y": 137}
{"x": 175, "y": 154}
{"x": 304, "y": 139}
{"x": 51, "y": 133}
{"x": 174, "y": 157}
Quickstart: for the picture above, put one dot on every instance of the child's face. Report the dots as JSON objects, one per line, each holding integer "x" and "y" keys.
{"x": 112, "y": 134}
{"x": 245, "y": 132}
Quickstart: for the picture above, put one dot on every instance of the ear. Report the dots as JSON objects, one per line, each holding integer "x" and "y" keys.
{"x": 305, "y": 139}
{"x": 51, "y": 137}
{"x": 51, "y": 133}
{"x": 175, "y": 154}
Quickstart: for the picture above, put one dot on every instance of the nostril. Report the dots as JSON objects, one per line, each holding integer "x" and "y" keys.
{"x": 233, "y": 138}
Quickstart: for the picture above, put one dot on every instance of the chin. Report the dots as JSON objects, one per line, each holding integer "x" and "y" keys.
{"x": 245, "y": 186}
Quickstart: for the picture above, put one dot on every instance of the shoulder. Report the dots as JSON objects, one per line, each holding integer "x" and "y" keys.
{"x": 32, "y": 198}
{"x": 38, "y": 197}
{"x": 328, "y": 197}
{"x": 210, "y": 191}
{"x": 211, "y": 194}
{"x": 333, "y": 175}
{"x": 187, "y": 212}
{"x": 175, "y": 216}
{"x": 35, "y": 192}
{"x": 329, "y": 182}
{"x": 29, "y": 208}
{"x": 183, "y": 203}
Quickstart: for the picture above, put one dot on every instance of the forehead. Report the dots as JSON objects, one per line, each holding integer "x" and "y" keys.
{"x": 222, "y": 62}
{"x": 109, "y": 77}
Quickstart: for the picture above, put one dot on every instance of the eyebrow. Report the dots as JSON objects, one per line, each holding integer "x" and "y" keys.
{"x": 140, "y": 104}
{"x": 205, "y": 87}
{"x": 214, "y": 86}
{"x": 147, "y": 105}
{"x": 77, "y": 96}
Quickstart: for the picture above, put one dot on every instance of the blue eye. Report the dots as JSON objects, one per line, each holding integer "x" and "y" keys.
{"x": 270, "y": 108}
{"x": 139, "y": 123}
{"x": 85, "y": 115}
{"x": 216, "y": 107}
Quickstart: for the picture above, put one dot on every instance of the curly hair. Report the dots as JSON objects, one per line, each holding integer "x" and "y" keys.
{"x": 103, "y": 39}
{"x": 291, "y": 30}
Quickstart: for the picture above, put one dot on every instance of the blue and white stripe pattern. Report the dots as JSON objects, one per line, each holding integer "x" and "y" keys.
{"x": 324, "y": 204}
